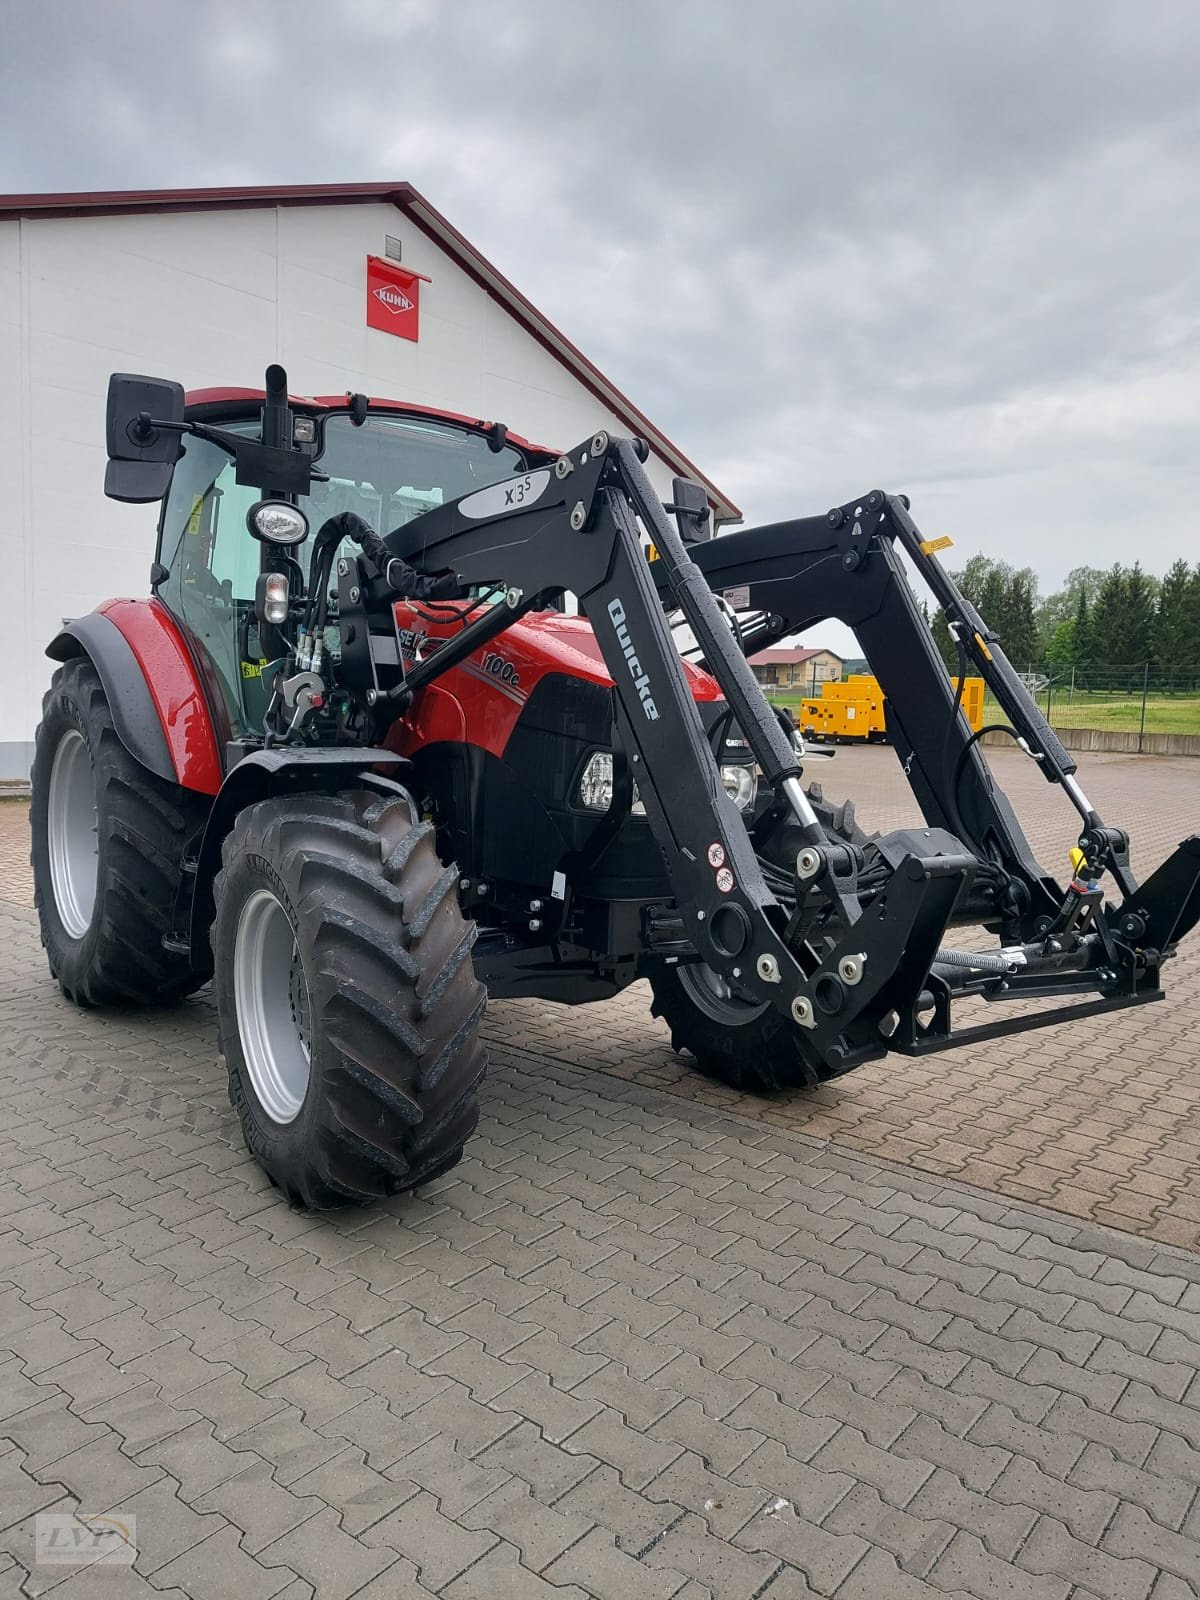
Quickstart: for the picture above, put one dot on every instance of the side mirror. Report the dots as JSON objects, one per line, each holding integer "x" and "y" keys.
{"x": 692, "y": 514}
{"x": 142, "y": 454}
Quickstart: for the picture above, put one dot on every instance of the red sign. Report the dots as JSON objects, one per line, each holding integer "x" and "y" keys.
{"x": 393, "y": 299}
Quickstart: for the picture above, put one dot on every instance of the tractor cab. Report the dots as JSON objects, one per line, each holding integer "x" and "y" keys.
{"x": 377, "y": 459}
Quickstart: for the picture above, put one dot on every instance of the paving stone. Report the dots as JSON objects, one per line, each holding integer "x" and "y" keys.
{"x": 540, "y": 1533}
{"x": 99, "y": 1474}
{"x": 1132, "y": 1441}
{"x": 230, "y": 1406}
{"x": 336, "y": 1564}
{"x": 1051, "y": 1549}
{"x": 850, "y": 1452}
{"x": 878, "y": 1577}
{"x": 976, "y": 1465}
{"x": 47, "y": 1431}
{"x": 726, "y": 1505}
{"x": 965, "y": 1566}
{"x": 1166, "y": 1498}
{"x": 549, "y": 1469}
{"x": 1085, "y": 1512}
{"x": 289, "y": 1445}
{"x": 440, "y": 1549}
{"x": 167, "y": 1526}
{"x": 915, "y": 1541}
{"x": 1003, "y": 1529}
{"x": 824, "y": 1558}
{"x": 261, "y": 1509}
{"x": 21, "y": 1494}
{"x": 1140, "y": 1542}
{"x": 596, "y": 1565}
{"x": 499, "y": 1575}
{"x": 218, "y": 1567}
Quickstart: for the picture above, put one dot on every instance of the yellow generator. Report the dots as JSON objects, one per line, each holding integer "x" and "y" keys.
{"x": 854, "y": 709}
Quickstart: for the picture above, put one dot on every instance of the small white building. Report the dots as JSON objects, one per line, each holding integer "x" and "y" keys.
{"x": 208, "y": 286}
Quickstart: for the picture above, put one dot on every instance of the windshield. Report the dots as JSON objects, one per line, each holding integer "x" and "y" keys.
{"x": 390, "y": 470}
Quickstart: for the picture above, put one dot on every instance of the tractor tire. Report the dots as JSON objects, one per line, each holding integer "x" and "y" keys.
{"x": 347, "y": 1002}
{"x": 745, "y": 1044}
{"x": 108, "y": 845}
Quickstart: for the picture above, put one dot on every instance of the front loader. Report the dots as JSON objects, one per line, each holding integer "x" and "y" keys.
{"x": 356, "y": 791}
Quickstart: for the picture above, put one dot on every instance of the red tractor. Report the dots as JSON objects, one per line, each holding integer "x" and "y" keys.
{"x": 359, "y": 789}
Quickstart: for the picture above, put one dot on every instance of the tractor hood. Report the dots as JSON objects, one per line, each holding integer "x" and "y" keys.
{"x": 544, "y": 641}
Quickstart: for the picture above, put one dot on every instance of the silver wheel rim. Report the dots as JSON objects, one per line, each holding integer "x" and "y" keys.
{"x": 710, "y": 993}
{"x": 72, "y": 834}
{"x": 273, "y": 1013}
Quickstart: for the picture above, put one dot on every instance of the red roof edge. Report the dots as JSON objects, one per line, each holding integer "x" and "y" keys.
{"x": 124, "y": 202}
{"x": 789, "y": 656}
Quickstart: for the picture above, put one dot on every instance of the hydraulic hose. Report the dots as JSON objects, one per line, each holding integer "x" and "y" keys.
{"x": 402, "y": 579}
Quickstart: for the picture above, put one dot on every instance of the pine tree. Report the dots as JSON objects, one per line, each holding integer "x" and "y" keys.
{"x": 1174, "y": 638}
{"x": 1081, "y": 632}
{"x": 1140, "y": 593}
{"x": 1020, "y": 636}
{"x": 1108, "y": 619}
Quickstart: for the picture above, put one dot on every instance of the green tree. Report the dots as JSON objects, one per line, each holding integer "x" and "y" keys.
{"x": 1020, "y": 624}
{"x": 1061, "y": 650}
{"x": 1082, "y": 583}
{"x": 1175, "y": 618}
{"x": 1123, "y": 617}
{"x": 1140, "y": 597}
{"x": 1081, "y": 631}
{"x": 1108, "y": 617}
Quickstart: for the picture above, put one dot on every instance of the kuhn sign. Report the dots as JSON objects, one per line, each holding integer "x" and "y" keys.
{"x": 393, "y": 299}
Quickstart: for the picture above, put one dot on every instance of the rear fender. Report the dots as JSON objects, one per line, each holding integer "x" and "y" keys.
{"x": 158, "y": 704}
{"x": 288, "y": 770}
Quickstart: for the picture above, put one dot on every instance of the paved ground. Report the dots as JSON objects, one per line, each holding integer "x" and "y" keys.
{"x": 1098, "y": 1119}
{"x": 635, "y": 1345}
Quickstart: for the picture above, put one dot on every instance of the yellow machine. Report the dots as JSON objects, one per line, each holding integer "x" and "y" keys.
{"x": 854, "y": 709}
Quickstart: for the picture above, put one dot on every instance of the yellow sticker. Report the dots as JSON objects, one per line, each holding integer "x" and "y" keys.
{"x": 930, "y": 547}
{"x": 651, "y": 553}
{"x": 193, "y": 521}
{"x": 253, "y": 669}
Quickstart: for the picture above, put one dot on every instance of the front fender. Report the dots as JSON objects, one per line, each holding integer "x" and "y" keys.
{"x": 286, "y": 769}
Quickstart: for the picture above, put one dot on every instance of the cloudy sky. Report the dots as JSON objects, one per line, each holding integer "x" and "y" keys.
{"x": 943, "y": 247}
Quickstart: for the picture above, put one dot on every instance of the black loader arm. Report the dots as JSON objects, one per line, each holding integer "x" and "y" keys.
{"x": 857, "y": 964}
{"x": 847, "y": 565}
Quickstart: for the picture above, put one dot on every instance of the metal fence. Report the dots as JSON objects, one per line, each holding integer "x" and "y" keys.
{"x": 1125, "y": 695}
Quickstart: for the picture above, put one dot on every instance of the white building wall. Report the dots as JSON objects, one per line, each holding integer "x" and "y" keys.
{"x": 209, "y": 299}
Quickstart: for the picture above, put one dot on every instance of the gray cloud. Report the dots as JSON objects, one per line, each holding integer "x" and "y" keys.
{"x": 937, "y": 247}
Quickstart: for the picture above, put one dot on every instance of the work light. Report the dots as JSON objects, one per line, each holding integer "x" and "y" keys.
{"x": 277, "y": 522}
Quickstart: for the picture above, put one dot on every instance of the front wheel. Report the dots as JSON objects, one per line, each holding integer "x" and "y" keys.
{"x": 347, "y": 1002}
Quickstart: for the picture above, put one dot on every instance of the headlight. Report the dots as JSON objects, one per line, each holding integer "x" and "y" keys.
{"x": 277, "y": 522}
{"x": 741, "y": 785}
{"x": 596, "y": 785}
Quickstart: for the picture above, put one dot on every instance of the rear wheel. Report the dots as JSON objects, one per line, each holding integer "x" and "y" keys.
{"x": 348, "y": 1006}
{"x": 109, "y": 842}
{"x": 743, "y": 1042}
